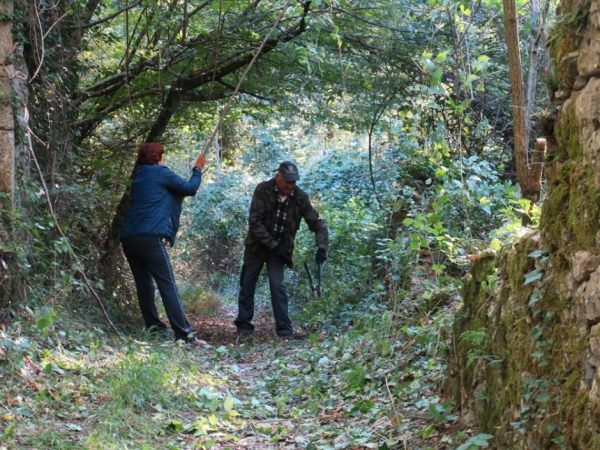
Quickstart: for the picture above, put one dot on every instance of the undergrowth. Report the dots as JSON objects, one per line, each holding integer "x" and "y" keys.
{"x": 371, "y": 384}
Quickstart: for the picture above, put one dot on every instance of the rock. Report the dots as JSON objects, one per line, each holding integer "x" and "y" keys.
{"x": 592, "y": 150}
{"x": 588, "y": 62}
{"x": 470, "y": 419}
{"x": 595, "y": 390}
{"x": 562, "y": 95}
{"x": 594, "y": 15}
{"x": 587, "y": 107}
{"x": 584, "y": 386}
{"x": 584, "y": 263}
{"x": 595, "y": 343}
{"x": 580, "y": 83}
{"x": 587, "y": 300}
{"x": 569, "y": 66}
{"x": 570, "y": 286}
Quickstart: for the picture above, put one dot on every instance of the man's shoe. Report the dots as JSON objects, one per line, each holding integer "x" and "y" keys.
{"x": 295, "y": 336}
{"x": 244, "y": 336}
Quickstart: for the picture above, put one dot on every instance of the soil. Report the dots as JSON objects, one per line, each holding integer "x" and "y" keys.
{"x": 218, "y": 329}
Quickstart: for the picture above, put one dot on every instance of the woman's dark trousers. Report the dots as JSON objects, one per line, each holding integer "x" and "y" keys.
{"x": 148, "y": 259}
{"x": 253, "y": 264}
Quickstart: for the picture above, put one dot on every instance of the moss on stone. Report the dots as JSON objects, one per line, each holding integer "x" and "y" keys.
{"x": 497, "y": 391}
{"x": 566, "y": 130}
{"x": 584, "y": 210}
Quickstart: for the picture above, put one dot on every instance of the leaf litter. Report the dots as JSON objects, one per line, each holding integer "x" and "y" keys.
{"x": 352, "y": 388}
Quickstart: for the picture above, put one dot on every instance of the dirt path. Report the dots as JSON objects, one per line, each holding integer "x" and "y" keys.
{"x": 339, "y": 402}
{"x": 219, "y": 329}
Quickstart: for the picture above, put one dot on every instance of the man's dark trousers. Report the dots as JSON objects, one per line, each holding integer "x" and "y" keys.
{"x": 148, "y": 259}
{"x": 253, "y": 264}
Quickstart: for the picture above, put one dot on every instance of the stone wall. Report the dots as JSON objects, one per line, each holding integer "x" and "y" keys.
{"x": 527, "y": 342}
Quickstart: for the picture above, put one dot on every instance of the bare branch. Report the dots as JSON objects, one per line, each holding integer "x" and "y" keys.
{"x": 243, "y": 91}
{"x": 86, "y": 125}
{"x": 182, "y": 24}
{"x": 107, "y": 18}
{"x": 195, "y": 96}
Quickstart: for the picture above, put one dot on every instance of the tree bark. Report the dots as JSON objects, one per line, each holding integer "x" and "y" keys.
{"x": 537, "y": 48}
{"x": 528, "y": 175}
{"x": 7, "y": 122}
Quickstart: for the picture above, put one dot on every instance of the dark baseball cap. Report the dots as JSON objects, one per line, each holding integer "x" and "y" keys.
{"x": 289, "y": 171}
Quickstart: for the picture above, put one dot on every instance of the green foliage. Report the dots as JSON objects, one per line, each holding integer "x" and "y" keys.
{"x": 478, "y": 343}
{"x": 137, "y": 382}
{"x": 214, "y": 224}
{"x": 481, "y": 440}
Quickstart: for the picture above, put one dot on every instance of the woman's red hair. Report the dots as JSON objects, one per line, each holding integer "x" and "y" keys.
{"x": 150, "y": 153}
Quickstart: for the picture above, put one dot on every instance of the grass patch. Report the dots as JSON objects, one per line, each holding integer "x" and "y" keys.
{"x": 199, "y": 301}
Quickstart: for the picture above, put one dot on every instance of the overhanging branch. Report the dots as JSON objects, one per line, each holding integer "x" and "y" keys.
{"x": 107, "y": 18}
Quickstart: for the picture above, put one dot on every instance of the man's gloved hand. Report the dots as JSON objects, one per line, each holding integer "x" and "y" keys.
{"x": 280, "y": 251}
{"x": 321, "y": 256}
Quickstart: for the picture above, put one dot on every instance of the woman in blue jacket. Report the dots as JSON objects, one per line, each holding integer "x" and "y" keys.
{"x": 151, "y": 221}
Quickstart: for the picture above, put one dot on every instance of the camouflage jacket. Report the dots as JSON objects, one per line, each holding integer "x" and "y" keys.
{"x": 263, "y": 208}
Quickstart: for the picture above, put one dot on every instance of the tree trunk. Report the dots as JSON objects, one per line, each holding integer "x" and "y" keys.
{"x": 7, "y": 122}
{"x": 528, "y": 175}
{"x": 537, "y": 50}
{"x": 13, "y": 84}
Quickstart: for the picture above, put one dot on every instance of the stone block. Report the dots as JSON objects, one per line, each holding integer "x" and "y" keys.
{"x": 580, "y": 83}
{"x": 569, "y": 67}
{"x": 588, "y": 62}
{"x": 587, "y": 300}
{"x": 7, "y": 161}
{"x": 570, "y": 287}
{"x": 584, "y": 263}
{"x": 6, "y": 40}
{"x": 594, "y": 15}
{"x": 587, "y": 110}
{"x": 592, "y": 148}
{"x": 595, "y": 343}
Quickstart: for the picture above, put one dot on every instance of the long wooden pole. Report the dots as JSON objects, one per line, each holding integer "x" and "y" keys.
{"x": 237, "y": 88}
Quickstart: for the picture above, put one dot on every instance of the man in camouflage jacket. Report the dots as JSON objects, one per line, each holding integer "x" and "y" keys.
{"x": 277, "y": 207}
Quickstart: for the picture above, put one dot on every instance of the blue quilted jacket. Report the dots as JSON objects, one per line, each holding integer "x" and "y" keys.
{"x": 156, "y": 198}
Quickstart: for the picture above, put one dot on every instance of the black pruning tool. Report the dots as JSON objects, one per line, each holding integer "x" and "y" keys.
{"x": 316, "y": 289}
